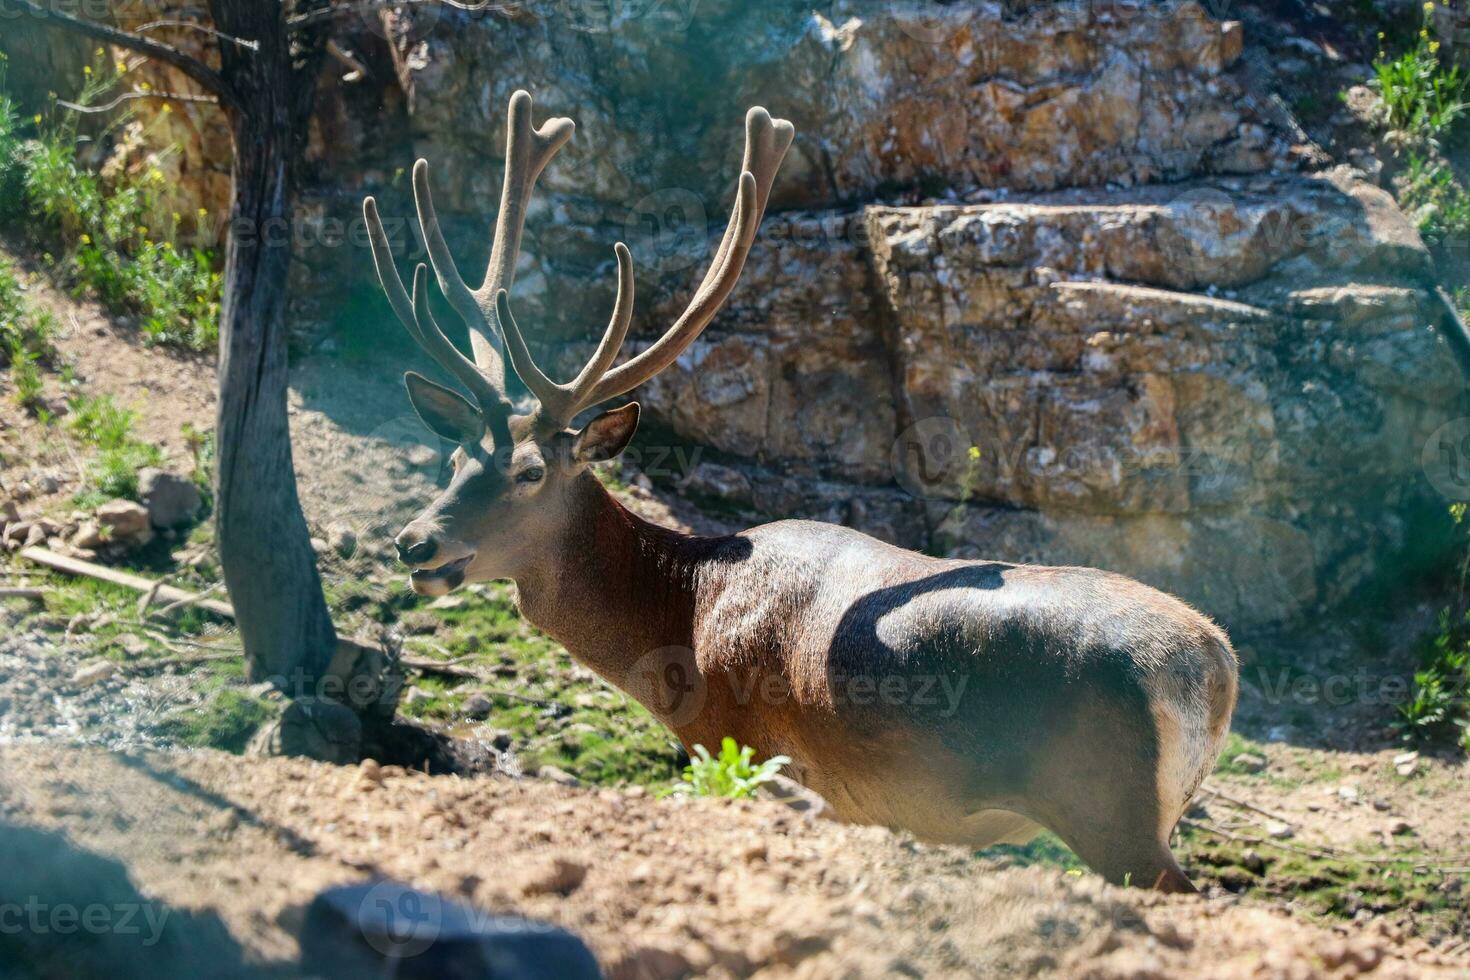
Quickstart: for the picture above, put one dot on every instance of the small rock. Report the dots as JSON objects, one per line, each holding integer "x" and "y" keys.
{"x": 127, "y": 522}
{"x": 1279, "y": 830}
{"x": 448, "y": 602}
{"x": 665, "y": 962}
{"x": 502, "y": 740}
{"x": 132, "y": 645}
{"x": 35, "y": 536}
{"x": 557, "y": 877}
{"x": 1249, "y": 761}
{"x": 559, "y": 776}
{"x": 16, "y": 532}
{"x": 320, "y": 547}
{"x": 417, "y": 695}
{"x": 9, "y": 512}
{"x": 478, "y": 706}
{"x": 93, "y": 673}
{"x": 47, "y": 485}
{"x": 1397, "y": 828}
{"x": 371, "y": 770}
{"x": 1348, "y": 794}
{"x": 1406, "y": 763}
{"x": 342, "y": 539}
{"x": 1252, "y": 861}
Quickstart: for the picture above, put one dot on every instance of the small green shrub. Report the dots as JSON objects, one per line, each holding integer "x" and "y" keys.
{"x": 1438, "y": 707}
{"x": 728, "y": 774}
{"x": 110, "y": 235}
{"x": 1422, "y": 96}
{"x": 112, "y": 470}
{"x": 1431, "y": 193}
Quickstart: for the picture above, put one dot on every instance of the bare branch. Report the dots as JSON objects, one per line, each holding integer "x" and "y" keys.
{"x": 194, "y": 25}
{"x": 169, "y": 55}
{"x": 93, "y": 110}
{"x": 367, "y": 6}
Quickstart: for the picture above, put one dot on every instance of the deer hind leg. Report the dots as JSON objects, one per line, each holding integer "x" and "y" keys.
{"x": 1100, "y": 790}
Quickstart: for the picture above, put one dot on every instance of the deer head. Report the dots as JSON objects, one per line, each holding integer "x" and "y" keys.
{"x": 511, "y": 496}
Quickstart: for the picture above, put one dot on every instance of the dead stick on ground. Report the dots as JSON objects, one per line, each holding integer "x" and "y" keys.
{"x": 192, "y": 600}
{"x": 1244, "y": 804}
{"x": 35, "y": 595}
{"x": 86, "y": 569}
{"x": 465, "y": 673}
{"x": 148, "y": 598}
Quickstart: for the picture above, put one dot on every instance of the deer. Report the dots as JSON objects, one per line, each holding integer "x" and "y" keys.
{"x": 1075, "y": 700}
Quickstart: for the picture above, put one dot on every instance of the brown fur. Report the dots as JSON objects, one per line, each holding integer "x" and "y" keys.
{"x": 784, "y": 636}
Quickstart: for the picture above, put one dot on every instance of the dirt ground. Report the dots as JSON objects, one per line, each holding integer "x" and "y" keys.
{"x": 658, "y": 888}
{"x": 234, "y": 846}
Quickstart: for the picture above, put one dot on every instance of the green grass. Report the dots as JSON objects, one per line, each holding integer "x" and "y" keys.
{"x": 1422, "y": 95}
{"x": 1235, "y": 744}
{"x": 1044, "y": 850}
{"x": 117, "y": 455}
{"x": 1439, "y": 204}
{"x": 25, "y": 339}
{"x": 110, "y": 235}
{"x": 1338, "y": 887}
{"x": 574, "y": 721}
{"x": 226, "y": 720}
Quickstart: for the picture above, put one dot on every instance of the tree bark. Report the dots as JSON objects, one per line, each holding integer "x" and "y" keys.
{"x": 265, "y": 547}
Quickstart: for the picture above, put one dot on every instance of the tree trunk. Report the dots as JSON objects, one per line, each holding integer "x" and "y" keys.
{"x": 265, "y": 548}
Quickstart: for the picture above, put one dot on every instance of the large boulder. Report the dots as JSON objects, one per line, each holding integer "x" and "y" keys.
{"x": 1045, "y": 281}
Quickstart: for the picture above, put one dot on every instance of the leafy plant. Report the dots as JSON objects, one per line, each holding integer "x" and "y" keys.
{"x": 112, "y": 471}
{"x": 730, "y": 774}
{"x": 1439, "y": 204}
{"x": 1438, "y": 707}
{"x": 111, "y": 235}
{"x": 1421, "y": 95}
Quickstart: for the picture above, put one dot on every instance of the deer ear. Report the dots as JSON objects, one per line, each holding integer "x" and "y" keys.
{"x": 447, "y": 412}
{"x": 607, "y": 435}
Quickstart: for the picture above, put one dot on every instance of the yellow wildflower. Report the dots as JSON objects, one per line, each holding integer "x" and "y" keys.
{"x": 204, "y": 212}
{"x": 167, "y": 108}
{"x": 87, "y": 70}
{"x": 1429, "y": 6}
{"x": 86, "y": 239}
{"x": 1433, "y": 47}
{"x": 146, "y": 87}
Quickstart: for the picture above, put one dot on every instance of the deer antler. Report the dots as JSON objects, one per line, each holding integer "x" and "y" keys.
{"x": 766, "y": 142}
{"x": 527, "y": 152}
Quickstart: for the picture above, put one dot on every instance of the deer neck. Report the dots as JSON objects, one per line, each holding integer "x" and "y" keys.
{"x": 616, "y": 587}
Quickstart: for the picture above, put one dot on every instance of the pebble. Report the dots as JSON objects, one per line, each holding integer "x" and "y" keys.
{"x": 93, "y": 673}
{"x": 1249, "y": 761}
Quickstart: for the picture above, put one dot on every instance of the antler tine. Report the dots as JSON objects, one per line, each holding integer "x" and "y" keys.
{"x": 766, "y": 143}
{"x": 446, "y": 271}
{"x": 422, "y": 328}
{"x": 560, "y": 403}
{"x": 527, "y": 151}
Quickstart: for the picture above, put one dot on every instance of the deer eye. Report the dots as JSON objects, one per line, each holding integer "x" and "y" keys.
{"x": 531, "y": 474}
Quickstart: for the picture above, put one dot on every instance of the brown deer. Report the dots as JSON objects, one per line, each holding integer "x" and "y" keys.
{"x": 969, "y": 702}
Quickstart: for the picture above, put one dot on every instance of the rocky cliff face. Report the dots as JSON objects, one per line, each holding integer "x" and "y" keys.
{"x": 1045, "y": 281}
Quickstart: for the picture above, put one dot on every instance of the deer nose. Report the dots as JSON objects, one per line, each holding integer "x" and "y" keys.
{"x": 414, "y": 547}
